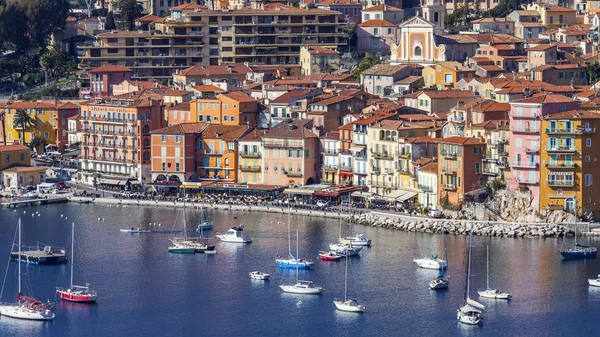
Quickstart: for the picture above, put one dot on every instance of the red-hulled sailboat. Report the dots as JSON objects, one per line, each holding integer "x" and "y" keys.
{"x": 329, "y": 256}
{"x": 81, "y": 294}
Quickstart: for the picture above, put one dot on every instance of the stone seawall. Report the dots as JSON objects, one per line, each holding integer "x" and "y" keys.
{"x": 384, "y": 220}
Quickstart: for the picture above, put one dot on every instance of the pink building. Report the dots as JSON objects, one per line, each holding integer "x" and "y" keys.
{"x": 102, "y": 80}
{"x": 525, "y": 126}
{"x": 291, "y": 154}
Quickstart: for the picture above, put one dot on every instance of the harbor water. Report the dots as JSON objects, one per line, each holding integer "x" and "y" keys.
{"x": 146, "y": 291}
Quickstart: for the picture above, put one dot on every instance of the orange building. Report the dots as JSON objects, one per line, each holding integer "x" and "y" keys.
{"x": 217, "y": 152}
{"x": 174, "y": 152}
{"x": 232, "y": 108}
{"x": 460, "y": 168}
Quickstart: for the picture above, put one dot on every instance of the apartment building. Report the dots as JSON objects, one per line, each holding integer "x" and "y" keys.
{"x": 250, "y": 157}
{"x": 427, "y": 176}
{"x": 318, "y": 60}
{"x": 217, "y": 156}
{"x": 291, "y": 154}
{"x": 74, "y": 125}
{"x": 115, "y": 138}
{"x": 525, "y": 125}
{"x": 385, "y": 12}
{"x": 554, "y": 16}
{"x": 173, "y": 151}
{"x": 270, "y": 34}
{"x": 64, "y": 111}
{"x": 460, "y": 169}
{"x": 228, "y": 77}
{"x": 327, "y": 114}
{"x": 232, "y": 108}
{"x": 44, "y": 122}
{"x": 569, "y": 153}
{"x": 444, "y": 75}
{"x": 345, "y": 155}
{"x": 103, "y": 79}
{"x": 376, "y": 36}
{"x": 330, "y": 158}
{"x": 494, "y": 25}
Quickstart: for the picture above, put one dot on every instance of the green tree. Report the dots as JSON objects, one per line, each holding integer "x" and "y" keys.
{"x": 130, "y": 11}
{"x": 2, "y": 117}
{"x": 37, "y": 142}
{"x": 504, "y": 8}
{"x": 365, "y": 64}
{"x": 23, "y": 120}
{"x": 13, "y": 27}
{"x": 110, "y": 21}
{"x": 56, "y": 62}
{"x": 593, "y": 72}
{"x": 44, "y": 17}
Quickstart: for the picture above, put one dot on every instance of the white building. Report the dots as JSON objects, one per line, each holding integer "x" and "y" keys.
{"x": 427, "y": 176}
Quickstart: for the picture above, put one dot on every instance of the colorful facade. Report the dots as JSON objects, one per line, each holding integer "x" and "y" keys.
{"x": 44, "y": 122}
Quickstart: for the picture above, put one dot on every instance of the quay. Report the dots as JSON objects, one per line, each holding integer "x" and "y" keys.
{"x": 34, "y": 202}
{"x": 46, "y": 256}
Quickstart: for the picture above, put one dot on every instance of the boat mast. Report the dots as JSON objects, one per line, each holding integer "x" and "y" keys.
{"x": 19, "y": 262}
{"x": 469, "y": 263}
{"x": 488, "y": 266}
{"x": 72, "y": 250}
{"x": 184, "y": 223}
{"x": 297, "y": 252}
{"x": 346, "y": 278}
{"x": 290, "y": 233}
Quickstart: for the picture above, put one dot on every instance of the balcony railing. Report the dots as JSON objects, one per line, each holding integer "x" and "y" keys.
{"x": 561, "y": 149}
{"x": 527, "y": 181}
{"x": 211, "y": 153}
{"x": 329, "y": 167}
{"x": 283, "y": 144}
{"x": 293, "y": 173}
{"x": 405, "y": 155}
{"x": 526, "y": 129}
{"x": 451, "y": 171}
{"x": 382, "y": 155}
{"x": 331, "y": 152}
{"x": 502, "y": 164}
{"x": 566, "y": 183}
{"x": 249, "y": 168}
{"x": 251, "y": 154}
{"x": 526, "y": 164}
{"x": 346, "y": 167}
{"x": 376, "y": 169}
{"x": 560, "y": 165}
{"x": 532, "y": 149}
{"x": 359, "y": 155}
{"x": 449, "y": 187}
{"x": 570, "y": 131}
{"x": 489, "y": 172}
{"x": 448, "y": 154}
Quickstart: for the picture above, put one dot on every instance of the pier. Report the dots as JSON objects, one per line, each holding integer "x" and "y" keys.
{"x": 34, "y": 202}
{"x": 46, "y": 256}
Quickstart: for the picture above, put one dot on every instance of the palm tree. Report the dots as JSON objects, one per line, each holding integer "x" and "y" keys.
{"x": 23, "y": 120}
{"x": 2, "y": 117}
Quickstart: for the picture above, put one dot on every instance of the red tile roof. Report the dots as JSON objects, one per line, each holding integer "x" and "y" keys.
{"x": 448, "y": 93}
{"x": 239, "y": 97}
{"x": 461, "y": 141}
{"x": 13, "y": 147}
{"x": 379, "y": 8}
{"x": 545, "y": 98}
{"x": 215, "y": 70}
{"x": 110, "y": 68}
{"x": 208, "y": 88}
{"x": 376, "y": 23}
{"x": 291, "y": 96}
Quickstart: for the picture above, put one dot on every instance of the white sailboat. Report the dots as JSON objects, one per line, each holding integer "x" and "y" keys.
{"x": 471, "y": 312}
{"x": 81, "y": 294}
{"x": 26, "y": 307}
{"x": 594, "y": 282}
{"x": 356, "y": 240}
{"x": 348, "y": 304}
{"x": 292, "y": 262}
{"x": 440, "y": 282}
{"x": 301, "y": 286}
{"x": 204, "y": 223}
{"x": 344, "y": 248}
{"x": 182, "y": 245}
{"x": 492, "y": 293}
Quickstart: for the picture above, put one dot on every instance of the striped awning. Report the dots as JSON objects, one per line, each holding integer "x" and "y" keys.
{"x": 559, "y": 173}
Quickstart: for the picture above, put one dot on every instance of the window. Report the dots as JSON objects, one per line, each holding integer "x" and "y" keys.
{"x": 230, "y": 146}
{"x": 367, "y": 17}
{"x": 225, "y": 106}
{"x": 448, "y": 78}
{"x": 7, "y": 158}
{"x": 588, "y": 142}
{"x": 355, "y": 11}
{"x": 225, "y": 118}
{"x": 376, "y": 32}
{"x": 163, "y": 138}
{"x": 21, "y": 157}
{"x": 177, "y": 139}
{"x": 164, "y": 166}
{"x": 418, "y": 51}
{"x": 477, "y": 168}
{"x": 476, "y": 150}
{"x": 589, "y": 180}
{"x": 177, "y": 167}
{"x": 232, "y": 118}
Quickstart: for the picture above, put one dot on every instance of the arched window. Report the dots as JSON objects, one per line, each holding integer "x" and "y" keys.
{"x": 435, "y": 17}
{"x": 146, "y": 142}
{"x": 146, "y": 156}
{"x": 146, "y": 129}
{"x": 418, "y": 51}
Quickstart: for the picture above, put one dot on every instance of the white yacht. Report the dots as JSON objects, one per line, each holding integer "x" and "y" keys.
{"x": 301, "y": 287}
{"x": 259, "y": 275}
{"x": 431, "y": 263}
{"x": 343, "y": 248}
{"x": 471, "y": 312}
{"x": 357, "y": 240}
{"x": 492, "y": 293}
{"x": 348, "y": 304}
{"x": 234, "y": 235}
{"x": 594, "y": 282}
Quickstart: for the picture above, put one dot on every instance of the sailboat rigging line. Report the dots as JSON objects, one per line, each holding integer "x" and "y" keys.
{"x": 8, "y": 264}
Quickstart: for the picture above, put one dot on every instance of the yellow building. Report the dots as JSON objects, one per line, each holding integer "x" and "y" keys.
{"x": 554, "y": 16}
{"x": 15, "y": 167}
{"x": 14, "y": 154}
{"x": 444, "y": 75}
{"x": 218, "y": 151}
{"x": 569, "y": 153}
{"x": 232, "y": 108}
{"x": 318, "y": 60}
{"x": 44, "y": 124}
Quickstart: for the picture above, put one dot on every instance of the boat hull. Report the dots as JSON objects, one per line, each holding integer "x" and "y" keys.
{"x": 467, "y": 319}
{"x": 438, "y": 284}
{"x": 292, "y": 289}
{"x": 224, "y": 238}
{"x": 281, "y": 263}
{"x": 259, "y": 276}
{"x": 182, "y": 250}
{"x": 15, "y": 311}
{"x": 431, "y": 264}
{"x": 327, "y": 257}
{"x": 579, "y": 254}
{"x": 74, "y": 297}
{"x": 134, "y": 230}
{"x": 594, "y": 282}
{"x": 494, "y": 295}
{"x": 344, "y": 306}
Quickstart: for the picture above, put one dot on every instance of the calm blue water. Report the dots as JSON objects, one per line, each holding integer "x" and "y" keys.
{"x": 145, "y": 291}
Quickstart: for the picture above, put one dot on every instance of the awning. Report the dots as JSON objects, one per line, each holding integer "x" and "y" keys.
{"x": 360, "y": 194}
{"x": 298, "y": 191}
{"x": 406, "y": 196}
{"x": 345, "y": 174}
{"x": 357, "y": 147}
{"x": 399, "y": 195}
{"x": 190, "y": 186}
{"x": 109, "y": 181}
{"x": 135, "y": 182}
{"x": 556, "y": 173}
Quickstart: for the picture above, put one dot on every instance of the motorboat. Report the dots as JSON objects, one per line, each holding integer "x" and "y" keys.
{"x": 440, "y": 282}
{"x": 26, "y": 307}
{"x": 594, "y": 282}
{"x": 205, "y": 226}
{"x": 432, "y": 262}
{"x": 578, "y": 251}
{"x": 329, "y": 256}
{"x": 342, "y": 248}
{"x": 210, "y": 252}
{"x": 301, "y": 287}
{"x": 259, "y": 275}
{"x": 357, "y": 240}
{"x": 81, "y": 294}
{"x": 134, "y": 230}
{"x": 234, "y": 235}
{"x": 471, "y": 312}
{"x": 348, "y": 304}
{"x": 492, "y": 293}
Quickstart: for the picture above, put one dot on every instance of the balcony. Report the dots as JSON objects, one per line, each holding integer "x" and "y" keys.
{"x": 404, "y": 155}
{"x": 560, "y": 165}
{"x": 503, "y": 141}
{"x": 525, "y": 164}
{"x": 250, "y": 154}
{"x": 376, "y": 170}
{"x": 249, "y": 168}
{"x": 283, "y": 144}
{"x": 327, "y": 181}
{"x": 448, "y": 155}
{"x": 330, "y": 152}
{"x": 561, "y": 183}
{"x": 359, "y": 155}
{"x": 449, "y": 187}
{"x": 561, "y": 149}
{"x": 293, "y": 173}
{"x": 382, "y": 155}
{"x": 329, "y": 167}
{"x": 531, "y": 149}
{"x": 502, "y": 164}
{"x": 527, "y": 181}
{"x": 526, "y": 130}
{"x": 211, "y": 153}
{"x": 490, "y": 156}
{"x": 449, "y": 171}
{"x": 489, "y": 172}
{"x": 345, "y": 167}
{"x": 570, "y": 131}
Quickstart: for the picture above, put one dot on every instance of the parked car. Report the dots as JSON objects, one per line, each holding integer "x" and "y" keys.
{"x": 322, "y": 203}
{"x": 435, "y": 213}
{"x": 61, "y": 185}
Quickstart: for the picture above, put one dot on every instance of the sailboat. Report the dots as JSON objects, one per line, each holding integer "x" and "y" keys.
{"x": 348, "y": 304}
{"x": 440, "y": 282}
{"x": 577, "y": 251}
{"x": 471, "y": 312}
{"x": 358, "y": 239}
{"x": 292, "y": 262}
{"x": 204, "y": 223}
{"x": 182, "y": 245}
{"x": 301, "y": 286}
{"x": 81, "y": 294}
{"x": 26, "y": 307}
{"x": 344, "y": 248}
{"x": 492, "y": 293}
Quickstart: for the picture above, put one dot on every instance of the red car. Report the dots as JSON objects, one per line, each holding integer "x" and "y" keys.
{"x": 61, "y": 186}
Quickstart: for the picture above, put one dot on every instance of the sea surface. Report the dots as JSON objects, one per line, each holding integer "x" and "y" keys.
{"x": 146, "y": 291}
